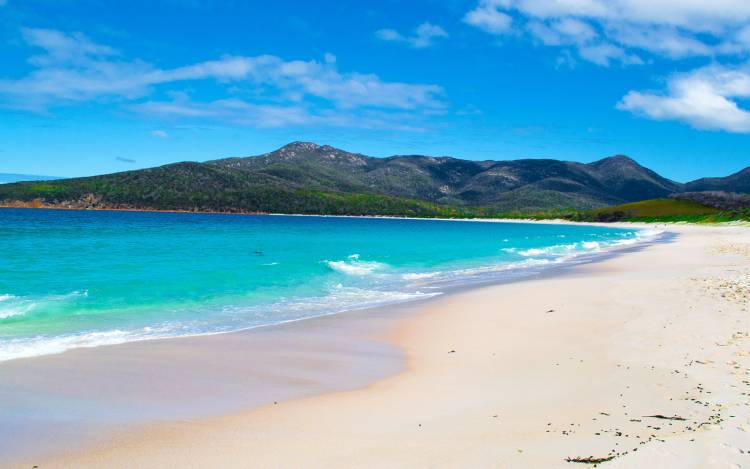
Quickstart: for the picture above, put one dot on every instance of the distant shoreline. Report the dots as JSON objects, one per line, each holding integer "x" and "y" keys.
{"x": 31, "y": 206}
{"x": 395, "y": 217}
{"x": 214, "y": 212}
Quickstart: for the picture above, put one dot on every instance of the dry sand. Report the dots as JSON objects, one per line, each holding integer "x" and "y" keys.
{"x": 643, "y": 357}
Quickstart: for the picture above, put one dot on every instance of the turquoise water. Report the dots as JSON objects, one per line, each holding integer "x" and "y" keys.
{"x": 80, "y": 279}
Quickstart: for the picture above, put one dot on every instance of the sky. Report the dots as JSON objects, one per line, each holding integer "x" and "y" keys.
{"x": 92, "y": 87}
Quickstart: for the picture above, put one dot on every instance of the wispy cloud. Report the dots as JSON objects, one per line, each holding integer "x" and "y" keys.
{"x": 605, "y": 53}
{"x": 706, "y": 98}
{"x": 159, "y": 134}
{"x": 488, "y": 17}
{"x": 233, "y": 111}
{"x": 72, "y": 68}
{"x": 606, "y": 31}
{"x": 424, "y": 35}
{"x": 243, "y": 113}
{"x": 124, "y": 160}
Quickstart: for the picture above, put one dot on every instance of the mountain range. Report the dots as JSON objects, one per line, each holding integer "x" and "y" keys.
{"x": 304, "y": 177}
{"x": 12, "y": 177}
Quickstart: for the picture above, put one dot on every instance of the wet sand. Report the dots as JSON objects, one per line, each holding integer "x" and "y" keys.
{"x": 59, "y": 403}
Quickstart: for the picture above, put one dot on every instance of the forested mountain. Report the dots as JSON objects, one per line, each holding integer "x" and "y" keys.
{"x": 737, "y": 182}
{"x": 304, "y": 177}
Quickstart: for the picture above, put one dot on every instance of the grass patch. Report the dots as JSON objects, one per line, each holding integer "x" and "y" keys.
{"x": 662, "y": 210}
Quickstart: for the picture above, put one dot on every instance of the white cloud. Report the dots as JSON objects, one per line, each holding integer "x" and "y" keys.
{"x": 72, "y": 68}
{"x": 424, "y": 35}
{"x": 487, "y": 17}
{"x": 566, "y": 31}
{"x": 576, "y": 30}
{"x": 238, "y": 112}
{"x": 631, "y": 32}
{"x": 693, "y": 15}
{"x": 605, "y": 53}
{"x": 705, "y": 98}
{"x": 389, "y": 35}
{"x": 671, "y": 28}
{"x": 159, "y": 134}
{"x": 234, "y": 111}
{"x": 666, "y": 41}
{"x": 61, "y": 47}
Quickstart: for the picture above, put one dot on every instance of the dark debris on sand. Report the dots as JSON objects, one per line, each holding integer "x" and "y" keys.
{"x": 590, "y": 460}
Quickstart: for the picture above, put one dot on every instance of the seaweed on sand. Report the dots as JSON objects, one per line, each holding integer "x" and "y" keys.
{"x": 590, "y": 460}
{"x": 664, "y": 417}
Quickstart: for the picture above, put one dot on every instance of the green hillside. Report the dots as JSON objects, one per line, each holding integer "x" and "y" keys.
{"x": 660, "y": 210}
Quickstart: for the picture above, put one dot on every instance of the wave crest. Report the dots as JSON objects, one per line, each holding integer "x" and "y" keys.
{"x": 557, "y": 249}
{"x": 11, "y": 305}
{"x": 354, "y": 266}
{"x": 14, "y": 306}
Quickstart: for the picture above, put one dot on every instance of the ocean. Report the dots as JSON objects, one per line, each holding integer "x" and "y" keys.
{"x": 72, "y": 279}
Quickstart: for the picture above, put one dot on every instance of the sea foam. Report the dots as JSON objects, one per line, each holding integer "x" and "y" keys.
{"x": 354, "y": 266}
{"x": 339, "y": 299}
{"x": 13, "y": 306}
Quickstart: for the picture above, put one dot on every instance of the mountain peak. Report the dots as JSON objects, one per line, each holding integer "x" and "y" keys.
{"x": 623, "y": 176}
{"x": 616, "y": 159}
{"x": 300, "y": 146}
{"x": 737, "y": 182}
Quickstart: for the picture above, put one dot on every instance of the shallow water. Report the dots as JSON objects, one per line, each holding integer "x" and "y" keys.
{"x": 72, "y": 279}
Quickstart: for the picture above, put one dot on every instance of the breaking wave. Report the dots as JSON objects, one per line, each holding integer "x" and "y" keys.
{"x": 13, "y": 306}
{"x": 229, "y": 318}
{"x": 354, "y": 266}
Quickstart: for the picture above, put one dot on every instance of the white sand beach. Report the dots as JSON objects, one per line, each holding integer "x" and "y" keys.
{"x": 643, "y": 358}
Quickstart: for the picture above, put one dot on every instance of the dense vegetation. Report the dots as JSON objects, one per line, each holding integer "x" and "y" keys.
{"x": 311, "y": 179}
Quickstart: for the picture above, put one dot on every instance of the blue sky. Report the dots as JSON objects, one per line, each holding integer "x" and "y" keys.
{"x": 89, "y": 87}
